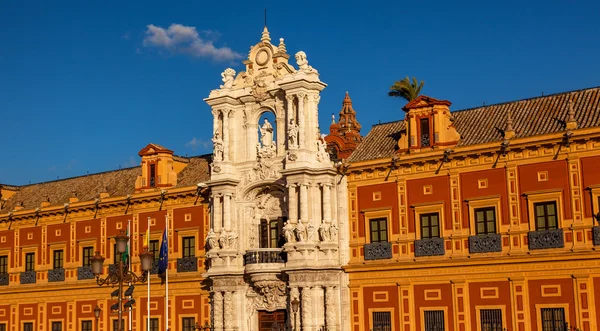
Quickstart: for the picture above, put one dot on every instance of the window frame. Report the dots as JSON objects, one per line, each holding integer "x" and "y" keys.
{"x": 4, "y": 264}
{"x": 430, "y": 227}
{"x": 379, "y": 221}
{"x": 86, "y": 261}
{"x": 27, "y": 324}
{"x": 155, "y": 252}
{"x": 478, "y": 309}
{"x": 188, "y": 319}
{"x": 188, "y": 247}
{"x": 429, "y": 121}
{"x": 56, "y": 326}
{"x": 546, "y": 215}
{"x": 542, "y": 196}
{"x": 270, "y": 232}
{"x": 60, "y": 259}
{"x": 539, "y": 307}
{"x": 374, "y": 214}
{"x": 424, "y": 310}
{"x": 153, "y": 327}
{"x": 486, "y": 202}
{"x": 152, "y": 175}
{"x": 86, "y": 328}
{"x": 486, "y": 222}
{"x": 29, "y": 265}
{"x": 372, "y": 311}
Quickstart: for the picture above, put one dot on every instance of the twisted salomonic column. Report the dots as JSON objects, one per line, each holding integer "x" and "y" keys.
{"x": 293, "y": 203}
{"x": 218, "y": 311}
{"x": 306, "y": 308}
{"x": 301, "y": 120}
{"x": 227, "y": 212}
{"x": 304, "y": 203}
{"x": 228, "y": 314}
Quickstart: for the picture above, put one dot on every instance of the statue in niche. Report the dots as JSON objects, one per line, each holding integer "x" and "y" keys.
{"x": 218, "y": 146}
{"x": 228, "y": 76}
{"x": 288, "y": 232}
{"x": 232, "y": 239}
{"x": 302, "y": 62}
{"x": 324, "y": 231}
{"x": 322, "y": 154}
{"x": 211, "y": 240}
{"x": 266, "y": 134}
{"x": 311, "y": 231}
{"x": 223, "y": 240}
{"x": 293, "y": 134}
{"x": 300, "y": 231}
{"x": 333, "y": 232}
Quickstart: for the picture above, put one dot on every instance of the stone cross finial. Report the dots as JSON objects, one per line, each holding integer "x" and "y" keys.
{"x": 265, "y": 35}
{"x": 509, "y": 132}
{"x": 281, "y": 46}
{"x": 571, "y": 123}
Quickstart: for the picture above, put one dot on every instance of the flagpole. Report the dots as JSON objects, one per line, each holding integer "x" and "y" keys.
{"x": 167, "y": 276}
{"x": 129, "y": 266}
{"x": 148, "y": 301}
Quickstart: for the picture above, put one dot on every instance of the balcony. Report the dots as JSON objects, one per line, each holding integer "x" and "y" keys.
{"x": 28, "y": 277}
{"x": 186, "y": 264}
{"x": 485, "y": 243}
{"x": 378, "y": 251}
{"x": 429, "y": 247}
{"x": 154, "y": 270}
{"x": 85, "y": 273}
{"x": 546, "y": 239}
{"x": 4, "y": 279}
{"x": 56, "y": 275}
{"x": 265, "y": 255}
{"x": 596, "y": 233}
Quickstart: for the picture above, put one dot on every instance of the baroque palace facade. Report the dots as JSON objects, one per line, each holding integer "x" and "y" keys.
{"x": 479, "y": 219}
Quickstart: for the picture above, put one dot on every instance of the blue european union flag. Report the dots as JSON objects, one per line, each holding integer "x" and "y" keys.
{"x": 163, "y": 257}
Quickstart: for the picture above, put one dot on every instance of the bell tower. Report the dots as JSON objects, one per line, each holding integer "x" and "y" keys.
{"x": 278, "y": 206}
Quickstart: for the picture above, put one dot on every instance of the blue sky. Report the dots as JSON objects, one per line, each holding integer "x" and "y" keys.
{"x": 80, "y": 90}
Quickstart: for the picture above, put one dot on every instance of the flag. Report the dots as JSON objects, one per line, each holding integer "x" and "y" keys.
{"x": 147, "y": 239}
{"x": 163, "y": 257}
{"x": 125, "y": 255}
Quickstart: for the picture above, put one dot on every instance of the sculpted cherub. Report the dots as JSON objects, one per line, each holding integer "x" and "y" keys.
{"x": 228, "y": 77}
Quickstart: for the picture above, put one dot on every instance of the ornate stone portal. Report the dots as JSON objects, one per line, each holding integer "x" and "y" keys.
{"x": 278, "y": 207}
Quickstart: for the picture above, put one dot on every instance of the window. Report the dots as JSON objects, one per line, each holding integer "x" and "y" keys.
{"x": 154, "y": 249}
{"x": 3, "y": 265}
{"x": 553, "y": 319}
{"x": 545, "y": 216}
{"x": 430, "y": 226}
{"x": 152, "y": 175}
{"x": 485, "y": 220}
{"x": 491, "y": 319}
{"x": 115, "y": 324}
{"x": 434, "y": 320}
{"x": 271, "y": 233}
{"x": 58, "y": 259}
{"x": 30, "y": 262}
{"x": 117, "y": 255}
{"x": 56, "y": 326}
{"x": 188, "y": 324}
{"x": 425, "y": 136}
{"x": 88, "y": 252}
{"x": 153, "y": 324}
{"x": 86, "y": 325}
{"x": 2, "y": 327}
{"x": 28, "y": 326}
{"x": 378, "y": 230}
{"x": 382, "y": 321}
{"x": 189, "y": 247}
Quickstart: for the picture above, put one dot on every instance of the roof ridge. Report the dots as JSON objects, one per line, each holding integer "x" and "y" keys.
{"x": 80, "y": 176}
{"x": 390, "y": 122}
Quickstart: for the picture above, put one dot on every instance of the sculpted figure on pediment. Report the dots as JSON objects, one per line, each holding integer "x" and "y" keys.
{"x": 227, "y": 76}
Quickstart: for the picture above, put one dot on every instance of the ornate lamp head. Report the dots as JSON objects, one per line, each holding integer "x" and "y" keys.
{"x": 97, "y": 263}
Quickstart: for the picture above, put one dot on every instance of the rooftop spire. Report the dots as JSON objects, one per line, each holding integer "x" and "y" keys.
{"x": 265, "y": 35}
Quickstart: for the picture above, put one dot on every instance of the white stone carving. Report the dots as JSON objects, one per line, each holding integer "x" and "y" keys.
{"x": 293, "y": 134}
{"x": 288, "y": 232}
{"x": 223, "y": 240}
{"x": 232, "y": 238}
{"x": 311, "y": 232}
{"x": 322, "y": 155}
{"x": 333, "y": 232}
{"x": 211, "y": 240}
{"x": 228, "y": 76}
{"x": 218, "y": 147}
{"x": 301, "y": 234}
{"x": 324, "y": 232}
{"x": 266, "y": 133}
{"x": 228, "y": 317}
{"x": 302, "y": 62}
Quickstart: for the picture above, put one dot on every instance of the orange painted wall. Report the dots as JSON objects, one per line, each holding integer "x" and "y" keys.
{"x": 590, "y": 169}
{"x": 9, "y": 244}
{"x": 32, "y": 317}
{"x": 184, "y": 305}
{"x": 157, "y": 228}
{"x": 389, "y": 198}
{"x": 112, "y": 231}
{"x": 558, "y": 178}
{"x": 440, "y": 192}
{"x": 56, "y": 312}
{"x": 480, "y": 295}
{"x": 63, "y": 237}
{"x": 423, "y": 300}
{"x": 80, "y": 234}
{"x": 5, "y": 313}
{"x": 496, "y": 185}
{"x": 196, "y": 221}
{"x": 36, "y": 240}
{"x": 373, "y": 299}
{"x": 535, "y": 297}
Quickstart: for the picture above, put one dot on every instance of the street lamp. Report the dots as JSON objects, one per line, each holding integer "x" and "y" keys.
{"x": 206, "y": 327}
{"x": 97, "y": 312}
{"x": 295, "y": 305}
{"x": 122, "y": 275}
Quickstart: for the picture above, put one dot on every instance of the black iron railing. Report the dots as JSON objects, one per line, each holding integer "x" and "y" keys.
{"x": 485, "y": 243}
{"x": 85, "y": 273}
{"x": 265, "y": 255}
{"x": 546, "y": 239}
{"x": 187, "y": 264}
{"x": 429, "y": 247}
{"x": 378, "y": 250}
{"x": 56, "y": 275}
{"x": 27, "y": 277}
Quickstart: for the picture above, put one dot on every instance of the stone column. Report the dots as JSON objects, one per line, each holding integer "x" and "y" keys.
{"x": 290, "y": 115}
{"x": 301, "y": 121}
{"x": 306, "y": 309}
{"x": 217, "y": 216}
{"x": 293, "y": 203}
{"x": 330, "y": 308}
{"x": 228, "y": 311}
{"x": 227, "y": 212}
{"x": 327, "y": 202}
{"x": 226, "y": 147}
{"x": 215, "y": 121}
{"x": 317, "y": 203}
{"x": 304, "y": 203}
{"x": 218, "y": 311}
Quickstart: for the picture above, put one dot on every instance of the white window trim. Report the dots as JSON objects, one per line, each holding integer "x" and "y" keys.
{"x": 57, "y": 247}
{"x": 392, "y": 312}
{"x": 428, "y": 209}
{"x": 24, "y": 252}
{"x": 485, "y": 203}
{"x": 422, "y": 315}
{"x": 478, "y": 314}
{"x": 369, "y": 215}
{"x": 533, "y": 198}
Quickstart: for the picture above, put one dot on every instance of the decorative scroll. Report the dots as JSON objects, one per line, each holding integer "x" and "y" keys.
{"x": 85, "y": 273}
{"x": 187, "y": 264}
{"x": 429, "y": 247}
{"x": 378, "y": 251}
{"x": 56, "y": 275}
{"x": 546, "y": 239}
{"x": 485, "y": 243}
{"x": 28, "y": 277}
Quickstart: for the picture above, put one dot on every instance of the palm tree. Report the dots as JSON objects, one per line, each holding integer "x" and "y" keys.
{"x": 406, "y": 89}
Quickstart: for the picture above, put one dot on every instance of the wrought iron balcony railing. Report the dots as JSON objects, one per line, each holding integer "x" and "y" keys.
{"x": 425, "y": 140}
{"x": 265, "y": 255}
{"x": 28, "y": 277}
{"x": 596, "y": 233}
{"x": 546, "y": 239}
{"x": 154, "y": 270}
{"x": 56, "y": 275}
{"x": 378, "y": 250}
{"x": 85, "y": 273}
{"x": 429, "y": 247}
{"x": 186, "y": 264}
{"x": 4, "y": 279}
{"x": 485, "y": 243}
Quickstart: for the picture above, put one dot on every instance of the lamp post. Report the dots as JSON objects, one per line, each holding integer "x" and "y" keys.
{"x": 295, "y": 305}
{"x": 121, "y": 275}
{"x": 97, "y": 312}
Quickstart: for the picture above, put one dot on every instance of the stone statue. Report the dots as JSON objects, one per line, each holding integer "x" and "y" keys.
{"x": 232, "y": 239}
{"x": 266, "y": 133}
{"x": 211, "y": 240}
{"x": 293, "y": 134}
{"x": 333, "y": 232}
{"x": 288, "y": 232}
{"x": 218, "y": 146}
{"x": 302, "y": 62}
{"x": 228, "y": 76}
{"x": 324, "y": 231}
{"x": 322, "y": 154}
{"x": 223, "y": 240}
{"x": 311, "y": 231}
{"x": 300, "y": 231}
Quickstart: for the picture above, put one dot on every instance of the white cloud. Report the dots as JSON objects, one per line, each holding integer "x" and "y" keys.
{"x": 196, "y": 143}
{"x": 183, "y": 39}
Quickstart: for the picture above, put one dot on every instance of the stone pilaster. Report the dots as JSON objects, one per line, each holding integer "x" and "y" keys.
{"x": 301, "y": 120}
{"x": 331, "y": 308}
{"x": 306, "y": 309}
{"x": 293, "y": 203}
{"x": 304, "y": 203}
{"x": 217, "y": 214}
{"x": 218, "y": 311}
{"x": 327, "y": 202}
{"x": 294, "y": 320}
{"x": 227, "y": 212}
{"x": 226, "y": 146}
{"x": 228, "y": 311}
